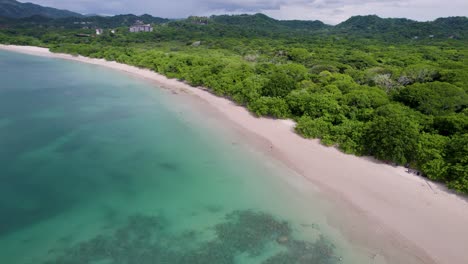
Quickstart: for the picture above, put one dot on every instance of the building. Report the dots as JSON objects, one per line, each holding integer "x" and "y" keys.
{"x": 140, "y": 27}
{"x": 198, "y": 20}
{"x": 99, "y": 31}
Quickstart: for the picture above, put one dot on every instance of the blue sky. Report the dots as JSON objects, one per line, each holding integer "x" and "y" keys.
{"x": 328, "y": 11}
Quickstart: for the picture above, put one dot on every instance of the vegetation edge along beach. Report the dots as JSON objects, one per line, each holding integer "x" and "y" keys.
{"x": 404, "y": 103}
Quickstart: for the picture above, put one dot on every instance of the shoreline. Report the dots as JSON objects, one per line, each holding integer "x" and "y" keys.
{"x": 384, "y": 207}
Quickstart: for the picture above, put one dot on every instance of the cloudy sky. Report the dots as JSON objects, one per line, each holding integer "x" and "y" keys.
{"x": 328, "y": 11}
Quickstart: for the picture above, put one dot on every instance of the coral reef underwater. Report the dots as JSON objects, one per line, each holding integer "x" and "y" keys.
{"x": 145, "y": 239}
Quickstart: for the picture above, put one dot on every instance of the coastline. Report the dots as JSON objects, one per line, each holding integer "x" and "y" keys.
{"x": 406, "y": 212}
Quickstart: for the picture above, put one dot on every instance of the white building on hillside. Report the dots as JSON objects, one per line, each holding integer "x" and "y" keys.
{"x": 140, "y": 27}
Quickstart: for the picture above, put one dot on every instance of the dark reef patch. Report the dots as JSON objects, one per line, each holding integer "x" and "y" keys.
{"x": 214, "y": 208}
{"x": 146, "y": 240}
{"x": 169, "y": 166}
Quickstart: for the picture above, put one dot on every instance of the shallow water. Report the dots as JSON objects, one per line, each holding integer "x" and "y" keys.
{"x": 99, "y": 167}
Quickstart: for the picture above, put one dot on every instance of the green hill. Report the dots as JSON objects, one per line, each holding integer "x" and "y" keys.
{"x": 265, "y": 22}
{"x": 79, "y": 22}
{"x": 15, "y": 9}
{"x": 260, "y": 25}
{"x": 391, "y": 28}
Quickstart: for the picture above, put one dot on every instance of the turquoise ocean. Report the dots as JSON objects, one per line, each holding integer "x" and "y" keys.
{"x": 99, "y": 167}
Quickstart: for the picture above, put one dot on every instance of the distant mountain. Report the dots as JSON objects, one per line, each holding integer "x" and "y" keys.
{"x": 372, "y": 22}
{"x": 246, "y": 26}
{"x": 94, "y": 14}
{"x": 263, "y": 21}
{"x": 373, "y": 25}
{"x": 15, "y": 9}
{"x": 81, "y": 22}
{"x": 452, "y": 23}
{"x": 243, "y": 26}
{"x": 110, "y": 21}
{"x": 244, "y": 20}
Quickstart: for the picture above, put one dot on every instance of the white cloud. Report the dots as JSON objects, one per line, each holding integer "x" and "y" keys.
{"x": 329, "y": 11}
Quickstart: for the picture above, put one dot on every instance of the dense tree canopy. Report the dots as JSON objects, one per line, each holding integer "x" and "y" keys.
{"x": 434, "y": 98}
{"x": 393, "y": 134}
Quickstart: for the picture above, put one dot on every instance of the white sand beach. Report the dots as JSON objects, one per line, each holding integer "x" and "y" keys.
{"x": 383, "y": 207}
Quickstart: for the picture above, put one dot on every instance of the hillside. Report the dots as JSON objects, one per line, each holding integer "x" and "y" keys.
{"x": 110, "y": 22}
{"x": 260, "y": 25}
{"x": 261, "y": 20}
{"x": 15, "y": 14}
{"x": 372, "y": 25}
{"x": 79, "y": 22}
{"x": 15, "y": 9}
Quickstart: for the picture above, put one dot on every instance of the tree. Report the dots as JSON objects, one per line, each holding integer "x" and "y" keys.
{"x": 435, "y": 98}
{"x": 385, "y": 81}
{"x": 419, "y": 73}
{"x": 430, "y": 156}
{"x": 349, "y": 135}
{"x": 456, "y": 123}
{"x": 298, "y": 55}
{"x": 313, "y": 128}
{"x": 297, "y": 101}
{"x": 279, "y": 84}
{"x": 283, "y": 79}
{"x": 363, "y": 101}
{"x": 323, "y": 105}
{"x": 270, "y": 106}
{"x": 457, "y": 159}
{"x": 392, "y": 135}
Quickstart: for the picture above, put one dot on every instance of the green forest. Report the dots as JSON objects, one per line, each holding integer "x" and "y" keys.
{"x": 394, "y": 89}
